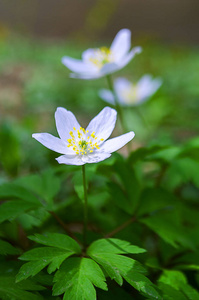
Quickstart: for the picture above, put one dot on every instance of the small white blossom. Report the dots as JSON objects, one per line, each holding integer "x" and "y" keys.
{"x": 99, "y": 62}
{"x": 129, "y": 94}
{"x": 80, "y": 146}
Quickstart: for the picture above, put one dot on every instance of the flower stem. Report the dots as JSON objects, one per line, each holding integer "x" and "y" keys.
{"x": 117, "y": 104}
{"x": 85, "y": 207}
{"x": 118, "y": 107}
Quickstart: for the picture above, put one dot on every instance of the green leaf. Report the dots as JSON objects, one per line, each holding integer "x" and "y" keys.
{"x": 9, "y": 290}
{"x": 78, "y": 183}
{"x": 106, "y": 253}
{"x": 46, "y": 185}
{"x": 166, "y": 226}
{"x": 54, "y": 256}
{"x": 10, "y": 147}
{"x": 13, "y": 209}
{"x": 57, "y": 240}
{"x": 182, "y": 170}
{"x": 117, "y": 265}
{"x": 154, "y": 199}
{"x": 77, "y": 278}
{"x": 11, "y": 190}
{"x": 169, "y": 293}
{"x": 178, "y": 281}
{"x": 128, "y": 193}
{"x": 31, "y": 269}
{"x": 7, "y": 249}
{"x": 60, "y": 247}
{"x": 142, "y": 284}
{"x": 119, "y": 198}
{"x": 143, "y": 153}
{"x": 191, "y": 149}
{"x": 114, "y": 246}
{"x": 167, "y": 155}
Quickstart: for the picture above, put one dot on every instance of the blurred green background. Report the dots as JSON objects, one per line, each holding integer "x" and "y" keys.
{"x": 34, "y": 35}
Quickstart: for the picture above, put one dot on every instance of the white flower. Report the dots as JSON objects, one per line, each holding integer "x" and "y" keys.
{"x": 80, "y": 146}
{"x": 99, "y": 62}
{"x": 129, "y": 94}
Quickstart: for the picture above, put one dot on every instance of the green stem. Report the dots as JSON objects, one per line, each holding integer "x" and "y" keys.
{"x": 118, "y": 107}
{"x": 144, "y": 121}
{"x": 85, "y": 207}
{"x": 117, "y": 104}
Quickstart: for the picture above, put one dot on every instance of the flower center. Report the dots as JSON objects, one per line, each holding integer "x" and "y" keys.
{"x": 130, "y": 94}
{"x": 101, "y": 56}
{"x": 82, "y": 142}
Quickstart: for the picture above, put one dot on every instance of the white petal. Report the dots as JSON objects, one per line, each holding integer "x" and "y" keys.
{"x": 127, "y": 58}
{"x": 65, "y": 121}
{"x": 87, "y": 55}
{"x": 108, "y": 68}
{"x": 121, "y": 44}
{"x": 96, "y": 157}
{"x": 117, "y": 142}
{"x": 70, "y": 160}
{"x": 87, "y": 76}
{"x": 121, "y": 85}
{"x": 147, "y": 86}
{"x": 104, "y": 123}
{"x": 113, "y": 67}
{"x": 76, "y": 65}
{"x": 51, "y": 142}
{"x": 107, "y": 96}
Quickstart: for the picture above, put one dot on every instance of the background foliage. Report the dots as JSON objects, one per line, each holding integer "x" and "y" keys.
{"x": 149, "y": 198}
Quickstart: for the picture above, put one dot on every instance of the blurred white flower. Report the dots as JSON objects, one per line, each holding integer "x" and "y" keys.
{"x": 80, "y": 146}
{"x": 99, "y": 62}
{"x": 129, "y": 94}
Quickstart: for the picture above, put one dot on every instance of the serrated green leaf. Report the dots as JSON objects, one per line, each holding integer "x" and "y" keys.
{"x": 130, "y": 184}
{"x": 57, "y": 240}
{"x": 11, "y": 190}
{"x": 119, "y": 198}
{"x": 115, "y": 265}
{"x": 106, "y": 252}
{"x": 167, "y": 155}
{"x": 142, "y": 284}
{"x": 165, "y": 225}
{"x": 114, "y": 246}
{"x": 33, "y": 218}
{"x": 46, "y": 185}
{"x": 31, "y": 269}
{"x": 182, "y": 170}
{"x": 153, "y": 199}
{"x": 53, "y": 256}
{"x": 78, "y": 185}
{"x": 169, "y": 293}
{"x": 143, "y": 153}
{"x": 77, "y": 278}
{"x": 12, "y": 209}
{"x": 60, "y": 247}
{"x": 178, "y": 281}
{"x": 46, "y": 253}
{"x": 6, "y": 248}
{"x": 191, "y": 149}
{"x": 9, "y": 290}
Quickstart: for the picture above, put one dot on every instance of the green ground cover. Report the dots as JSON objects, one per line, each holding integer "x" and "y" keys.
{"x": 148, "y": 198}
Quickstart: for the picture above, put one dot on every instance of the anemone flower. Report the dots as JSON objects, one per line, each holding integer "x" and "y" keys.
{"x": 99, "y": 62}
{"x": 80, "y": 146}
{"x": 129, "y": 94}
